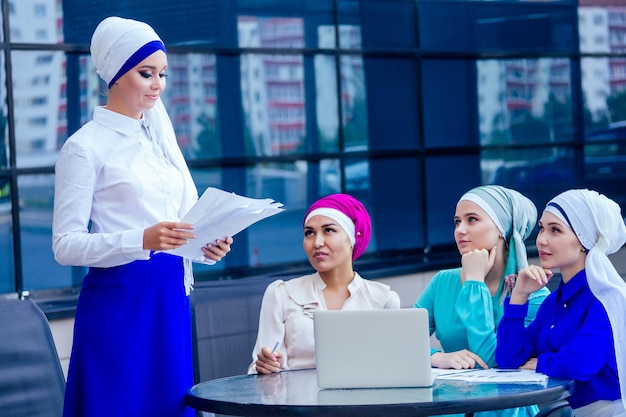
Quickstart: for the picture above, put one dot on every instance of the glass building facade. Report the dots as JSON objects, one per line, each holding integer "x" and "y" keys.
{"x": 404, "y": 104}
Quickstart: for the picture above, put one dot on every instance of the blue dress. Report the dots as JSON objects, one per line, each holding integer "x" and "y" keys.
{"x": 132, "y": 352}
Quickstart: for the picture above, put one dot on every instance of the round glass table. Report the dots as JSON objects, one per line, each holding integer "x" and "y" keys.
{"x": 296, "y": 394}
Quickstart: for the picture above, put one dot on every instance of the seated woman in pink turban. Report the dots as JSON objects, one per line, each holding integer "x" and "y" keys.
{"x": 337, "y": 230}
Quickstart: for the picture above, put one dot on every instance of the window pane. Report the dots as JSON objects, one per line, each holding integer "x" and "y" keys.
{"x": 539, "y": 173}
{"x": 604, "y": 87}
{"x": 354, "y": 103}
{"x": 449, "y": 122}
{"x": 330, "y": 176}
{"x": 270, "y": 32}
{"x": 272, "y": 94}
{"x": 398, "y": 207}
{"x": 34, "y": 22}
{"x": 601, "y": 27}
{"x": 385, "y": 23}
{"x": 524, "y": 101}
{"x": 605, "y": 161}
{"x": 4, "y": 134}
{"x": 189, "y": 22}
{"x": 496, "y": 26}
{"x": 41, "y": 271}
{"x": 40, "y": 102}
{"x": 7, "y": 273}
{"x": 326, "y": 107}
{"x": 191, "y": 101}
{"x": 441, "y": 201}
{"x": 278, "y": 238}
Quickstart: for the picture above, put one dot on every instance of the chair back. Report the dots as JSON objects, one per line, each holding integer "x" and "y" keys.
{"x": 31, "y": 378}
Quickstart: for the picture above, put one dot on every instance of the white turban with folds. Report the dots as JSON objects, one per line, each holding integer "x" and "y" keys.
{"x": 599, "y": 225}
{"x": 117, "y": 46}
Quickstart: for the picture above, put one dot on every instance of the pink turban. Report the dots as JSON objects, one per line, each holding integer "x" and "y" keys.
{"x": 355, "y": 211}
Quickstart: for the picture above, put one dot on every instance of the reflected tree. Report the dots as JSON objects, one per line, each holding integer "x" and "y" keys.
{"x": 355, "y": 128}
{"x": 209, "y": 145}
{"x": 616, "y": 104}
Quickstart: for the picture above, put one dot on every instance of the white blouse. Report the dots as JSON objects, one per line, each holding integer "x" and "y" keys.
{"x": 287, "y": 314}
{"x": 112, "y": 181}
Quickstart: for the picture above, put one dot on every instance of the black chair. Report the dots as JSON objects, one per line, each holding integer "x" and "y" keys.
{"x": 32, "y": 382}
{"x": 556, "y": 409}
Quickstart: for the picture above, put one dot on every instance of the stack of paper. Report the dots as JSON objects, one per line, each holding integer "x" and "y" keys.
{"x": 493, "y": 375}
{"x": 219, "y": 214}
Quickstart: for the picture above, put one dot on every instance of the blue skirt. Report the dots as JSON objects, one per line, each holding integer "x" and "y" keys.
{"x": 131, "y": 354}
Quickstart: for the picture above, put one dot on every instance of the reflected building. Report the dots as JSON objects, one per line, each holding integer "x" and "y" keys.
{"x": 272, "y": 86}
{"x": 39, "y": 82}
{"x": 602, "y": 28}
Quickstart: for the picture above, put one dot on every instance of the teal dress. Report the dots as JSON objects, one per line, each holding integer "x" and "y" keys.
{"x": 466, "y": 316}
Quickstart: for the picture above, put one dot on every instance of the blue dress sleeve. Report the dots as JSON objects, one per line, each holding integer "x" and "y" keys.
{"x": 516, "y": 341}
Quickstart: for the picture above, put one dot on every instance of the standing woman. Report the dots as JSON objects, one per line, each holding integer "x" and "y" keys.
{"x": 580, "y": 330}
{"x": 337, "y": 230}
{"x": 121, "y": 187}
{"x": 465, "y": 304}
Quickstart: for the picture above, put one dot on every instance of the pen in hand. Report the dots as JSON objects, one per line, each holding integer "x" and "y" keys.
{"x": 275, "y": 346}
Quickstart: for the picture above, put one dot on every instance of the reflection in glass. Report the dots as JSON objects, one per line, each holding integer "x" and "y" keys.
{"x": 40, "y": 102}
{"x": 330, "y": 176}
{"x": 7, "y": 283}
{"x": 191, "y": 101}
{"x": 4, "y": 143}
{"x": 272, "y": 94}
{"x": 538, "y": 173}
{"x": 278, "y": 238}
{"x": 326, "y": 107}
{"x": 35, "y": 22}
{"x": 604, "y": 88}
{"x": 40, "y": 269}
{"x": 524, "y": 101}
{"x": 605, "y": 161}
{"x": 353, "y": 103}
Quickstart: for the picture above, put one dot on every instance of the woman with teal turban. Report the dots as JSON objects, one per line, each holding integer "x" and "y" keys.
{"x": 465, "y": 304}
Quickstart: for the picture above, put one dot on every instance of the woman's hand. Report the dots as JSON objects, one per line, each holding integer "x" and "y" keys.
{"x": 476, "y": 264}
{"x": 461, "y": 359}
{"x": 167, "y": 235}
{"x": 530, "y": 364}
{"x": 529, "y": 280}
{"x": 216, "y": 251}
{"x": 268, "y": 361}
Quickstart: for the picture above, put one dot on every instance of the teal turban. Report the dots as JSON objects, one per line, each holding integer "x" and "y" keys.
{"x": 514, "y": 215}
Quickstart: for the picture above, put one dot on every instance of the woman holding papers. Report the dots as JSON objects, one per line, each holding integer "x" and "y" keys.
{"x": 337, "y": 230}
{"x": 580, "y": 330}
{"x": 121, "y": 187}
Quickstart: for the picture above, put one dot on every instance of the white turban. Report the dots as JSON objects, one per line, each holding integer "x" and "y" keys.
{"x": 599, "y": 225}
{"x": 117, "y": 46}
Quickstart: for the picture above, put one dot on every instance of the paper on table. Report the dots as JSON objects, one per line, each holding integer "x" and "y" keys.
{"x": 218, "y": 214}
{"x": 493, "y": 375}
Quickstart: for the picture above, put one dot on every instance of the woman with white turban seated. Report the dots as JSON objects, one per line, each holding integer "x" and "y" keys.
{"x": 121, "y": 188}
{"x": 580, "y": 330}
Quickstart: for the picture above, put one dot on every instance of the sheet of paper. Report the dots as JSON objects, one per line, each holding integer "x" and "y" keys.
{"x": 493, "y": 375}
{"x": 219, "y": 214}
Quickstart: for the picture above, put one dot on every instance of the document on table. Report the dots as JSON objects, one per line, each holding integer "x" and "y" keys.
{"x": 493, "y": 375}
{"x": 218, "y": 214}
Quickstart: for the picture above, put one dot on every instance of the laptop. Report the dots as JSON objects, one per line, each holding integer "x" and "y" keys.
{"x": 372, "y": 348}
